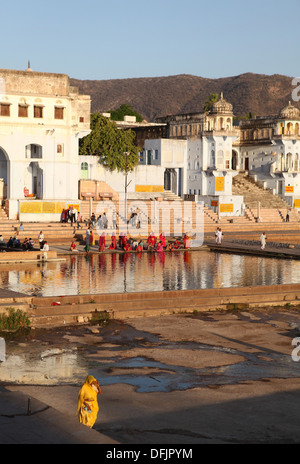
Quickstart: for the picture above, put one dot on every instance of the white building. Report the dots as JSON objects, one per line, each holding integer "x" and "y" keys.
{"x": 197, "y": 158}
{"x": 42, "y": 119}
{"x": 269, "y": 149}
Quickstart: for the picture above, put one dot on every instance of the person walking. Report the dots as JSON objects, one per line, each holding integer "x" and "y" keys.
{"x": 219, "y": 236}
{"x": 87, "y": 407}
{"x": 287, "y": 218}
{"x": 263, "y": 239}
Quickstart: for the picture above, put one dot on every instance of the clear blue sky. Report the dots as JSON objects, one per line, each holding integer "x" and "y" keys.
{"x": 116, "y": 39}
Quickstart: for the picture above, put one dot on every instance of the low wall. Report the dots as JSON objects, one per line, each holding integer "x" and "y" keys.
{"x": 26, "y": 255}
{"x": 58, "y": 311}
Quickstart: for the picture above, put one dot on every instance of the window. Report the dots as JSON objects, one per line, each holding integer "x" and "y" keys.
{"x": 81, "y": 119}
{"x": 34, "y": 151}
{"x": 149, "y": 157}
{"x": 38, "y": 111}
{"x": 4, "y": 109}
{"x": 58, "y": 112}
{"x": 84, "y": 170}
{"x": 60, "y": 149}
{"x": 23, "y": 111}
{"x": 156, "y": 154}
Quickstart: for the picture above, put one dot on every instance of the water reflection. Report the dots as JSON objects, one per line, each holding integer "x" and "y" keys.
{"x": 118, "y": 273}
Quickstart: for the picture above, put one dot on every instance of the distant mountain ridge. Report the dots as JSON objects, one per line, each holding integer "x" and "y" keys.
{"x": 159, "y": 96}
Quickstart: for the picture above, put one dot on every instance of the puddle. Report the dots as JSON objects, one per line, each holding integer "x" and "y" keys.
{"x": 58, "y": 366}
{"x": 65, "y": 357}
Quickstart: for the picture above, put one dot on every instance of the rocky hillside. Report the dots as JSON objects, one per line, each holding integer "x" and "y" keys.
{"x": 160, "y": 96}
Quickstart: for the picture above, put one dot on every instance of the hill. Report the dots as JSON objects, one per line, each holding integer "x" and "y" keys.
{"x": 159, "y": 96}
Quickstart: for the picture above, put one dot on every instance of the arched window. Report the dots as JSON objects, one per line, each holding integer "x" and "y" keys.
{"x": 84, "y": 170}
{"x": 290, "y": 129}
{"x": 280, "y": 162}
{"x": 296, "y": 165}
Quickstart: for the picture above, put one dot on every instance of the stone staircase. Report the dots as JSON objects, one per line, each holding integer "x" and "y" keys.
{"x": 272, "y": 207}
{"x": 253, "y": 192}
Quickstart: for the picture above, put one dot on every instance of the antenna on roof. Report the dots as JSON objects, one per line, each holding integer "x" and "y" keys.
{"x": 29, "y": 68}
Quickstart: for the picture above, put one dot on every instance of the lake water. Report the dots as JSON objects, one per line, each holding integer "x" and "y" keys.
{"x": 118, "y": 273}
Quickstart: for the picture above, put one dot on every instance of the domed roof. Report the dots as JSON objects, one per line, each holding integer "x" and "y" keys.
{"x": 222, "y": 106}
{"x": 290, "y": 112}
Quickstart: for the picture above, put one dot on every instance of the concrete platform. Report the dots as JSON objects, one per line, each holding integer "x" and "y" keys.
{"x": 254, "y": 250}
{"x": 41, "y": 424}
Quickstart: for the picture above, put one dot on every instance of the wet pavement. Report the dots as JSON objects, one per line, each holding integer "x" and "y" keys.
{"x": 213, "y": 377}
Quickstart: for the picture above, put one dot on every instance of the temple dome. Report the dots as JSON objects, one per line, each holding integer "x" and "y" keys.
{"x": 222, "y": 106}
{"x": 290, "y": 112}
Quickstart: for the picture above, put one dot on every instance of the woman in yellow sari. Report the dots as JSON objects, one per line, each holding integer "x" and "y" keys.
{"x": 88, "y": 408}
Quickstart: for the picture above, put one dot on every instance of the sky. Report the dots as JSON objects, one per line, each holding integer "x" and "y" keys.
{"x": 117, "y": 39}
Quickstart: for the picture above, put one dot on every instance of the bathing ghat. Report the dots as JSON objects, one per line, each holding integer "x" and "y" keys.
{"x": 241, "y": 236}
{"x": 75, "y": 309}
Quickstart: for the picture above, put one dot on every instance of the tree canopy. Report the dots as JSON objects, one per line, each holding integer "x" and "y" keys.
{"x": 110, "y": 143}
{"x": 125, "y": 110}
{"x": 211, "y": 99}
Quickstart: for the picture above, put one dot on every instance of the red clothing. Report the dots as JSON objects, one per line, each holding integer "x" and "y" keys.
{"x": 113, "y": 244}
{"x": 162, "y": 238}
{"x": 186, "y": 241}
{"x": 102, "y": 243}
{"x": 124, "y": 241}
{"x": 139, "y": 248}
{"x": 151, "y": 240}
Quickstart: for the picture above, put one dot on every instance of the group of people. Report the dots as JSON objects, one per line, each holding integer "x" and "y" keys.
{"x": 219, "y": 235}
{"x": 132, "y": 244}
{"x": 26, "y": 245}
{"x": 70, "y": 215}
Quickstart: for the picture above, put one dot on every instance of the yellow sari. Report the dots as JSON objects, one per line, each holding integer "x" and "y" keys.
{"x": 87, "y": 409}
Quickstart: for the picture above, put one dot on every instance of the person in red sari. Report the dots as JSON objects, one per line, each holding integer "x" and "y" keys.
{"x": 160, "y": 247}
{"x": 152, "y": 239}
{"x": 102, "y": 242}
{"x": 124, "y": 241}
{"x": 177, "y": 245}
{"x": 162, "y": 238}
{"x": 139, "y": 248}
{"x": 127, "y": 247}
{"x": 113, "y": 244}
{"x": 186, "y": 241}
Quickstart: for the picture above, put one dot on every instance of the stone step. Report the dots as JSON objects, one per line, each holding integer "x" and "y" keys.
{"x": 122, "y": 306}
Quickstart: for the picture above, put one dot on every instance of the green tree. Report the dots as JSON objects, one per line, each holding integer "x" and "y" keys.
{"x": 211, "y": 99}
{"x": 110, "y": 143}
{"x": 125, "y": 110}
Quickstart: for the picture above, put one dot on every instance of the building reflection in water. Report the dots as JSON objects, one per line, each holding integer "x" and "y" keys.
{"x": 138, "y": 272}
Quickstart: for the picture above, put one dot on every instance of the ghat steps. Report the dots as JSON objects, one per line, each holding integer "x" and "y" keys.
{"x": 123, "y": 306}
{"x": 245, "y": 185}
